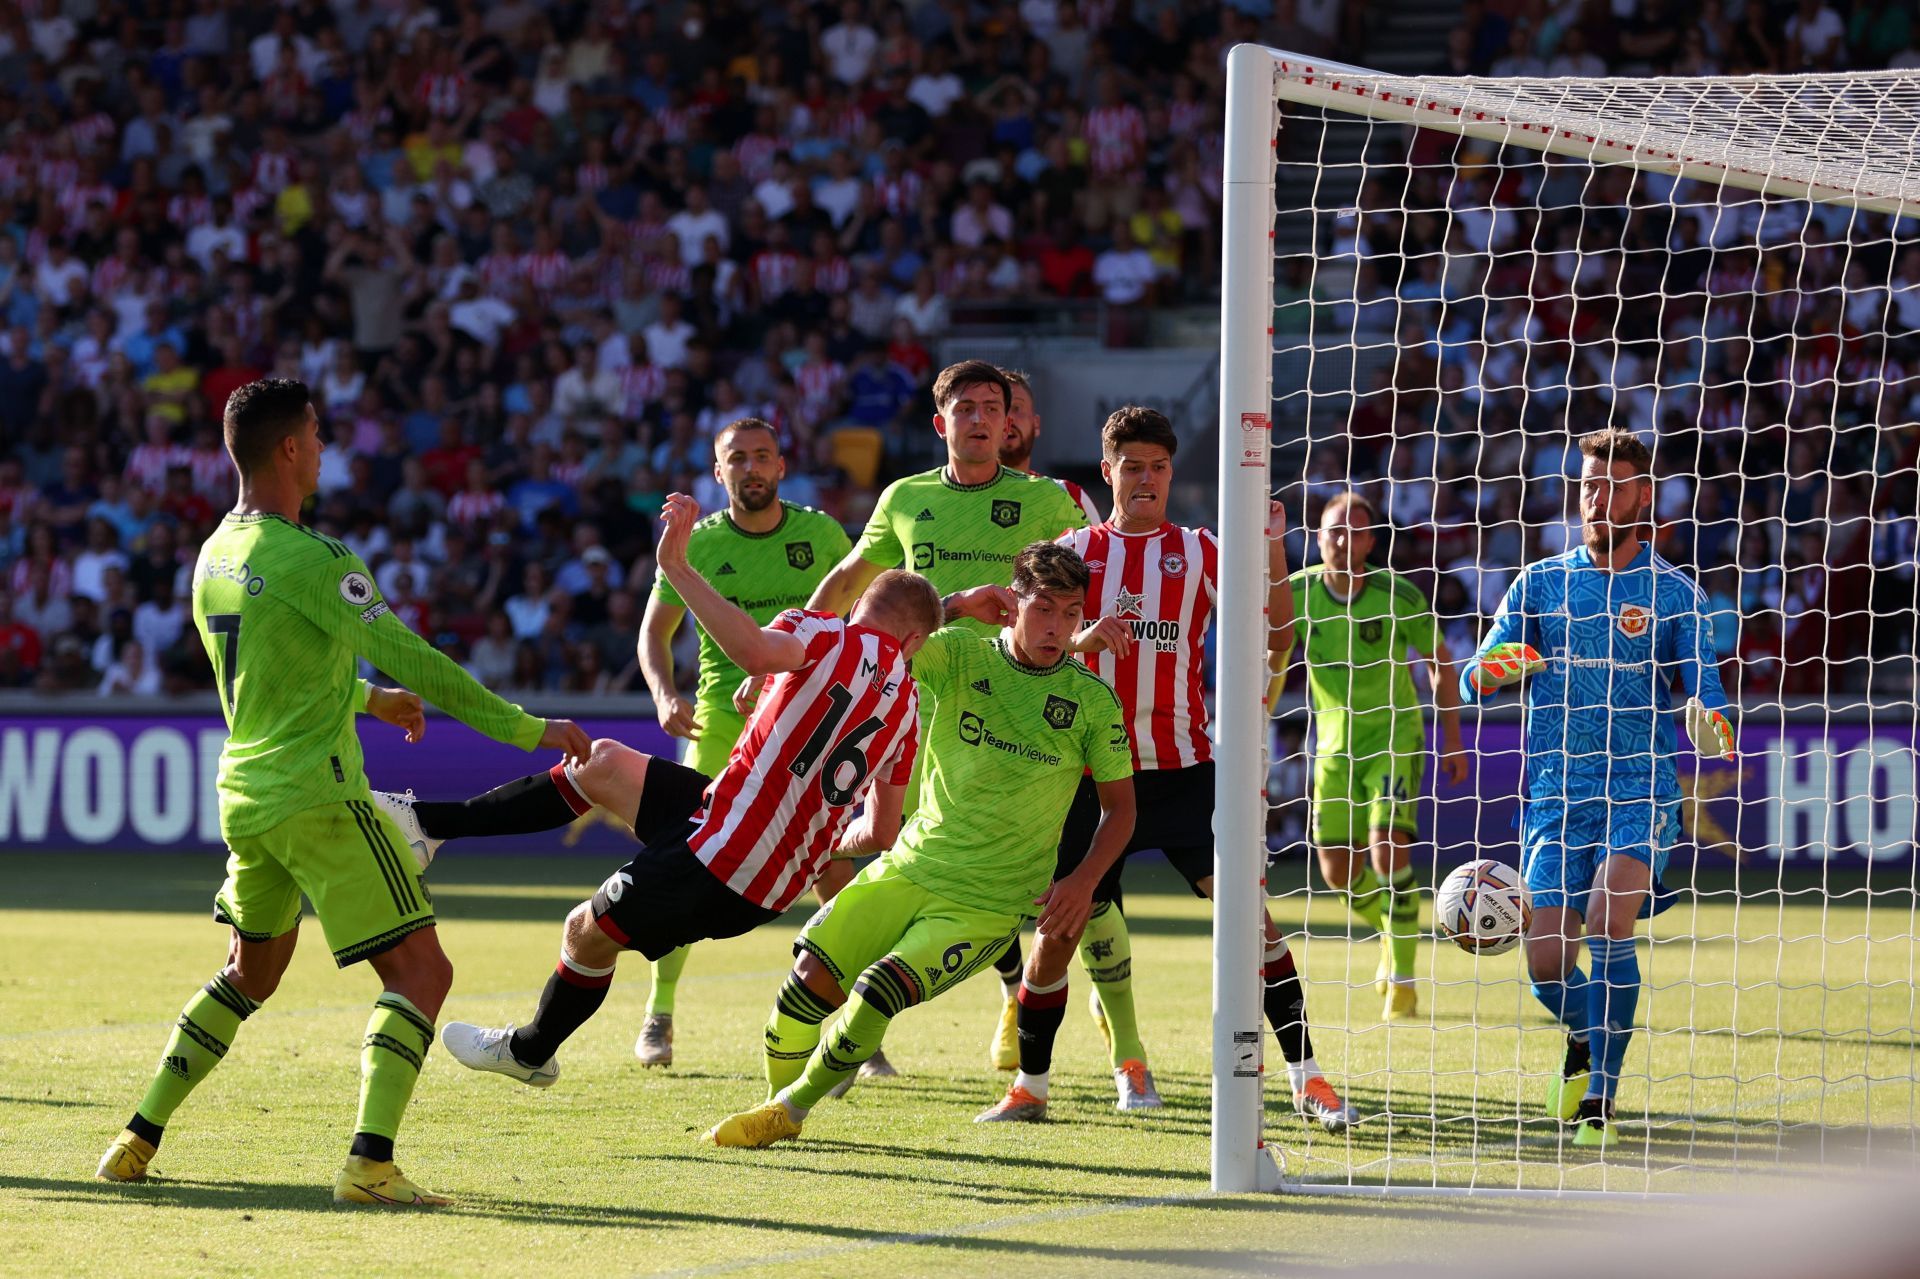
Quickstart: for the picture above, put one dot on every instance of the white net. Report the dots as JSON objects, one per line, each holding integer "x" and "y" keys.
{"x": 1452, "y": 309}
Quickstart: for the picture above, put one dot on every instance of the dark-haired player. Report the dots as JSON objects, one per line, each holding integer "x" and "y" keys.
{"x": 1154, "y": 583}
{"x": 284, "y": 612}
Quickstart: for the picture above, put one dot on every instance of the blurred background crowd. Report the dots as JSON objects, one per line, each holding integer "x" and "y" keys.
{"x": 532, "y": 256}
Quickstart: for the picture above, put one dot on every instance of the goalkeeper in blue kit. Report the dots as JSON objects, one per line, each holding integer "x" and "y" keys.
{"x": 1600, "y": 634}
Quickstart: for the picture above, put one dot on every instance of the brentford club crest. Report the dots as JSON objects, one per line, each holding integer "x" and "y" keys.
{"x": 1634, "y": 620}
{"x": 1173, "y": 565}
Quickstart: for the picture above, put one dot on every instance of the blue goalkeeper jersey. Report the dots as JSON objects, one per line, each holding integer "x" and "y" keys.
{"x": 1599, "y": 721}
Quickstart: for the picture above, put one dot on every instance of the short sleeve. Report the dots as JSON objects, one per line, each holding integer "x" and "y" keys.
{"x": 1071, "y": 515}
{"x": 664, "y": 592}
{"x": 937, "y": 663}
{"x": 1414, "y": 617}
{"x": 907, "y": 747}
{"x": 878, "y": 543}
{"x": 820, "y": 632}
{"x": 1108, "y": 748}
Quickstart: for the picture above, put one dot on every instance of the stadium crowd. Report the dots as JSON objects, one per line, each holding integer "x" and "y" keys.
{"x": 531, "y": 257}
{"x": 1769, "y": 349}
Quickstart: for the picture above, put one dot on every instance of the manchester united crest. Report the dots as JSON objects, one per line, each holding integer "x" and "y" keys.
{"x": 1059, "y": 712}
{"x": 1634, "y": 620}
{"x": 1006, "y": 514}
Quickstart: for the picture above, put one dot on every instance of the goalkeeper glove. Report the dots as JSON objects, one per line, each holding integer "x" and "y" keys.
{"x": 1710, "y": 732}
{"x": 1504, "y": 665}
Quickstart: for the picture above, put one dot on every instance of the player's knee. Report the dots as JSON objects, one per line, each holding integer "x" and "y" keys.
{"x": 602, "y": 763}
{"x": 257, "y": 981}
{"x": 1047, "y": 961}
{"x": 1551, "y": 958}
{"x": 816, "y": 977}
{"x": 884, "y": 987}
{"x": 585, "y": 941}
{"x": 1336, "y": 867}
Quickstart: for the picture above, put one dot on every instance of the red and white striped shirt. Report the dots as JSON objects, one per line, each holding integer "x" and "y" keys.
{"x": 1161, "y": 585}
{"x": 770, "y": 820}
{"x": 641, "y": 385}
{"x": 1117, "y": 139}
{"x": 899, "y": 196}
{"x": 470, "y": 509}
{"x": 832, "y": 275}
{"x": 1081, "y": 496}
{"x": 773, "y": 272}
{"x": 545, "y": 271}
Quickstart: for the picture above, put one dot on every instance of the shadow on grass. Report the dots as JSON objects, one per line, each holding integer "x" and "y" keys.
{"x": 61, "y": 1102}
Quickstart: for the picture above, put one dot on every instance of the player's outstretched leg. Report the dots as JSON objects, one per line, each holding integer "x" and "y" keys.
{"x": 1106, "y": 949}
{"x": 654, "y": 1047}
{"x": 1004, "y": 1052}
{"x": 880, "y": 994}
{"x": 416, "y": 975}
{"x": 574, "y": 992}
{"x": 523, "y": 806}
{"x": 1285, "y": 1002}
{"x": 1561, "y": 988}
{"x": 199, "y": 1042}
{"x": 1399, "y": 941}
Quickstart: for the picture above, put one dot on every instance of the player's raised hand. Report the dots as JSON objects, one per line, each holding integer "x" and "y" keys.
{"x": 1108, "y": 635}
{"x": 1710, "y": 731}
{"x": 398, "y": 707}
{"x": 569, "y": 739}
{"x": 994, "y": 605}
{"x": 679, "y": 515}
{"x": 676, "y": 716}
{"x": 1065, "y": 907}
{"x": 1276, "y": 520}
{"x": 747, "y": 696}
{"x": 1505, "y": 665}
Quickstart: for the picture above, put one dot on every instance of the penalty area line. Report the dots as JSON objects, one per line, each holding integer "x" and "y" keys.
{"x": 909, "y": 1239}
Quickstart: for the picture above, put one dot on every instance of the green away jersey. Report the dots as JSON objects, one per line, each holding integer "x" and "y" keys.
{"x": 1006, "y": 745}
{"x": 283, "y": 612}
{"x": 963, "y": 536}
{"x": 1356, "y": 651}
{"x": 765, "y": 574}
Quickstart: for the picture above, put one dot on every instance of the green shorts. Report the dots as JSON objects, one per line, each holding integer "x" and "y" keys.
{"x": 350, "y": 861}
{"x": 720, "y": 730}
{"x": 917, "y": 942}
{"x": 1355, "y": 794}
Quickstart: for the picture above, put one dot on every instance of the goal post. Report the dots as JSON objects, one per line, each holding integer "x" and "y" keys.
{"x": 1778, "y": 1006}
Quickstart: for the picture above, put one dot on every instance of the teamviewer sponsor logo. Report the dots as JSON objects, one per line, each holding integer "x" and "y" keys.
{"x": 922, "y": 555}
{"x": 974, "y": 732}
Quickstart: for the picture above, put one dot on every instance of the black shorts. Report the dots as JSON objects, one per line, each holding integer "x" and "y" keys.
{"x": 666, "y": 898}
{"x": 1173, "y": 812}
{"x": 669, "y": 800}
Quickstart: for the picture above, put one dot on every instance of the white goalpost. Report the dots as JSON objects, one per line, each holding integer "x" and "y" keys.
{"x": 1430, "y": 287}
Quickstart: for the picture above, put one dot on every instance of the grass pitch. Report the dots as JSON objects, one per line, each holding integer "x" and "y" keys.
{"x": 1803, "y": 1054}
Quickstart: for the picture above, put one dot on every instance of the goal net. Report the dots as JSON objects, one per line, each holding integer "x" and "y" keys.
{"x": 1432, "y": 287}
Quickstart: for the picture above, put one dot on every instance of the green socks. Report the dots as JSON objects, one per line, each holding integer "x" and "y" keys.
{"x": 1106, "y": 948}
{"x": 398, "y": 1037}
{"x": 793, "y": 1032}
{"x": 1366, "y": 897}
{"x": 666, "y": 978}
{"x": 1403, "y": 920}
{"x": 856, "y": 1037}
{"x": 200, "y": 1039}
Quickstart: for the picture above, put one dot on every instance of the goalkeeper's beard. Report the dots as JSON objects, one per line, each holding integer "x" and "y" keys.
{"x": 1605, "y": 539}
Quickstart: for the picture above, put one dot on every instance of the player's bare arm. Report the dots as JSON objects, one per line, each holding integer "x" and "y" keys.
{"x": 1108, "y": 635}
{"x": 994, "y": 605}
{"x": 1454, "y": 761}
{"x": 878, "y": 824}
{"x": 657, "y": 626}
{"x": 1282, "y": 626}
{"x": 756, "y": 650}
{"x": 1067, "y": 903}
{"x": 398, "y": 707}
{"x": 845, "y": 584}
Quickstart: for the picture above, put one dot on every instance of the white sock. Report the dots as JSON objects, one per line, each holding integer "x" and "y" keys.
{"x": 1298, "y": 1072}
{"x": 1010, "y": 986}
{"x": 1035, "y": 1084}
{"x": 796, "y": 1113}
{"x": 1403, "y": 981}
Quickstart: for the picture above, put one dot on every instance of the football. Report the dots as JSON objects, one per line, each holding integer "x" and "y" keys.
{"x": 1484, "y": 907}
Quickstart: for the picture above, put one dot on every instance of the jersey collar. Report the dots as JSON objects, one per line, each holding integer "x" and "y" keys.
{"x": 1166, "y": 526}
{"x": 785, "y": 512}
{"x": 1366, "y": 580}
{"x": 958, "y": 487}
